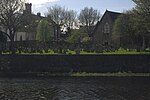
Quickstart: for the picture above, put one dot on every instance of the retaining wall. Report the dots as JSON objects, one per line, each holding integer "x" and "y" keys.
{"x": 75, "y": 63}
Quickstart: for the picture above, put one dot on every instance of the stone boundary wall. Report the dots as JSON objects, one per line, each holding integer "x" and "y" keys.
{"x": 75, "y": 63}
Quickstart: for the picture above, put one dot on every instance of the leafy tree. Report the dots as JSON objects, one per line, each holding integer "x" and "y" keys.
{"x": 44, "y": 31}
{"x": 142, "y": 11}
{"x": 124, "y": 31}
{"x": 77, "y": 36}
{"x": 10, "y": 11}
{"x": 88, "y": 17}
{"x": 141, "y": 19}
{"x": 133, "y": 27}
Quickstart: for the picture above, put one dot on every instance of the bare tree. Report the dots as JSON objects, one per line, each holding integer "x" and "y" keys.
{"x": 10, "y": 12}
{"x": 57, "y": 14}
{"x": 70, "y": 18}
{"x": 62, "y": 17}
{"x": 88, "y": 17}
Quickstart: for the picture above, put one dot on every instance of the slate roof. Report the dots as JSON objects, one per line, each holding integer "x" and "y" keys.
{"x": 113, "y": 15}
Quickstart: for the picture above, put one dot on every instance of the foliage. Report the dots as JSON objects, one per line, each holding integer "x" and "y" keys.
{"x": 141, "y": 19}
{"x": 124, "y": 30}
{"x": 77, "y": 36}
{"x": 44, "y": 31}
{"x": 133, "y": 27}
{"x": 142, "y": 11}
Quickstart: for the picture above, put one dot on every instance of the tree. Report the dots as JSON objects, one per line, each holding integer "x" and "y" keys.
{"x": 88, "y": 17}
{"x": 141, "y": 18}
{"x": 44, "y": 34}
{"x": 57, "y": 13}
{"x": 44, "y": 31}
{"x": 142, "y": 11}
{"x": 77, "y": 36}
{"x": 123, "y": 30}
{"x": 10, "y": 12}
{"x": 62, "y": 17}
{"x": 3, "y": 39}
{"x": 70, "y": 18}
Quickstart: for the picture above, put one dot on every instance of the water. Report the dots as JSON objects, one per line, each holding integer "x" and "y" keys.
{"x": 75, "y": 88}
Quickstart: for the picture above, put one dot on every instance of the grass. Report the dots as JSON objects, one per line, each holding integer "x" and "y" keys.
{"x": 127, "y": 52}
{"x": 72, "y": 52}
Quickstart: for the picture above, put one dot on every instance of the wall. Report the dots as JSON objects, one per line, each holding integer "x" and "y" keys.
{"x": 75, "y": 63}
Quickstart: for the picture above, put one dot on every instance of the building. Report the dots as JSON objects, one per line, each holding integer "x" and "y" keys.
{"x": 102, "y": 35}
{"x": 30, "y": 22}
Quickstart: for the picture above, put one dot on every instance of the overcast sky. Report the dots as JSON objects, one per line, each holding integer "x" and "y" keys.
{"x": 77, "y": 5}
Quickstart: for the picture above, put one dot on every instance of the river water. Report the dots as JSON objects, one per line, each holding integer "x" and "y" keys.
{"x": 75, "y": 88}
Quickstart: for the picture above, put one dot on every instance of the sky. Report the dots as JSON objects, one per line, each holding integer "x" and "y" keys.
{"x": 77, "y": 5}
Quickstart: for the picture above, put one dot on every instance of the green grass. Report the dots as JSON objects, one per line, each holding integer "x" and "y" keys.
{"x": 115, "y": 52}
{"x": 127, "y": 52}
{"x": 120, "y": 51}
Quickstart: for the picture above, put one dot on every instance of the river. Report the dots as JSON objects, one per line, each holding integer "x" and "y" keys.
{"x": 75, "y": 88}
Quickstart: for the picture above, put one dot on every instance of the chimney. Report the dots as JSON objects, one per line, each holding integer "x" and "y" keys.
{"x": 28, "y": 8}
{"x": 39, "y": 14}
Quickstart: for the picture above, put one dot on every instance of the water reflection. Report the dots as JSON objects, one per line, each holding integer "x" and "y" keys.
{"x": 71, "y": 88}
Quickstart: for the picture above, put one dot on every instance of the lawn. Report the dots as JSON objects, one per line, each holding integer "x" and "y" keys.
{"x": 73, "y": 52}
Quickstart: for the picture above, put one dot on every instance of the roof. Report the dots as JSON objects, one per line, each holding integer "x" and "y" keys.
{"x": 113, "y": 15}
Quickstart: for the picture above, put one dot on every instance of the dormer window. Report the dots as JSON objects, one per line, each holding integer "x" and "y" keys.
{"x": 106, "y": 28}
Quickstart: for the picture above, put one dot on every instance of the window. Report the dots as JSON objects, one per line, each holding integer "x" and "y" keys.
{"x": 106, "y": 28}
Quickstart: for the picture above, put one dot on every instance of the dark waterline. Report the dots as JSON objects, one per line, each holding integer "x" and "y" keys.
{"x": 75, "y": 88}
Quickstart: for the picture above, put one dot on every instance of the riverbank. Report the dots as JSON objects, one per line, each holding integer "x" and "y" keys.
{"x": 78, "y": 74}
{"x": 119, "y": 74}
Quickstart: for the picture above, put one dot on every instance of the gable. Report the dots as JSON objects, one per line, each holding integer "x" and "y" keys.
{"x": 109, "y": 17}
{"x": 105, "y": 25}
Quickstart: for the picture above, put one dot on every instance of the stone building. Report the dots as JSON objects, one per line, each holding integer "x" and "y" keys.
{"x": 102, "y": 35}
{"x": 30, "y": 22}
{"x": 28, "y": 30}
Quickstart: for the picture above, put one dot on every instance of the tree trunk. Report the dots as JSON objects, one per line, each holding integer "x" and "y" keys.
{"x": 12, "y": 46}
{"x": 143, "y": 43}
{"x": 1, "y": 47}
